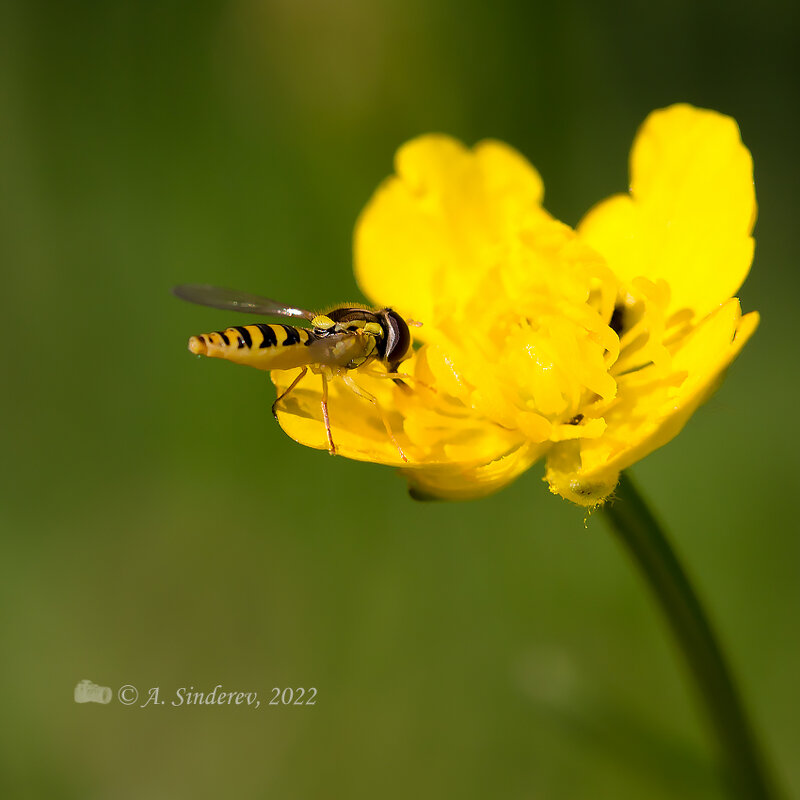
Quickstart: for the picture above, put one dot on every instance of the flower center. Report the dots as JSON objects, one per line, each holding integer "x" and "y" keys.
{"x": 532, "y": 347}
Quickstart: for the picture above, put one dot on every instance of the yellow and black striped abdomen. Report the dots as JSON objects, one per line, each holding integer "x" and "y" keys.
{"x": 261, "y": 346}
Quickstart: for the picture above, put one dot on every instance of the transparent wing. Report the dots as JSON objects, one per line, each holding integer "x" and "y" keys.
{"x": 337, "y": 349}
{"x": 230, "y": 300}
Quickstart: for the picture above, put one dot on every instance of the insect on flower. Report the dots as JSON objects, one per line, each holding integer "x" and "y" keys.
{"x": 338, "y": 341}
{"x": 588, "y": 348}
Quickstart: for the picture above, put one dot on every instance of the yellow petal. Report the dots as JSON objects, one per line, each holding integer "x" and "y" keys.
{"x": 690, "y": 212}
{"x": 356, "y": 426}
{"x": 651, "y": 408}
{"x": 429, "y": 234}
{"x": 426, "y": 429}
{"x": 566, "y": 480}
{"x": 469, "y": 482}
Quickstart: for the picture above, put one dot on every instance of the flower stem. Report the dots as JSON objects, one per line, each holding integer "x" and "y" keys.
{"x": 641, "y": 534}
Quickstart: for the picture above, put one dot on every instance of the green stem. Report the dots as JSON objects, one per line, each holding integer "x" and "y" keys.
{"x": 641, "y": 534}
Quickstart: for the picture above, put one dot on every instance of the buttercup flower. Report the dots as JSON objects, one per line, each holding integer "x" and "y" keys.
{"x": 588, "y": 347}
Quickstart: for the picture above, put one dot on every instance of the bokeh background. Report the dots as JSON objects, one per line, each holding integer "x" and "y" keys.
{"x": 158, "y": 529}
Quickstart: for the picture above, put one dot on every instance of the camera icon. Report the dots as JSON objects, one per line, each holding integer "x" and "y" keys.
{"x": 88, "y": 692}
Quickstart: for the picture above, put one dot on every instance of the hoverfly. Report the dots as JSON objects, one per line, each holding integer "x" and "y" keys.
{"x": 335, "y": 343}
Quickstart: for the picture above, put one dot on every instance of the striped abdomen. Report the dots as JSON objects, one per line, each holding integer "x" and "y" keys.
{"x": 261, "y": 346}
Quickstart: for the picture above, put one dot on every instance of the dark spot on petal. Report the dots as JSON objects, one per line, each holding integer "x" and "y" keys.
{"x": 617, "y": 321}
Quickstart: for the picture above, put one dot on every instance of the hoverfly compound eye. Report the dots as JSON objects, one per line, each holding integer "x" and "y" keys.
{"x": 398, "y": 338}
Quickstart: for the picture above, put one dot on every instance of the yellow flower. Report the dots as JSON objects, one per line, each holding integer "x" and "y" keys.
{"x": 588, "y": 347}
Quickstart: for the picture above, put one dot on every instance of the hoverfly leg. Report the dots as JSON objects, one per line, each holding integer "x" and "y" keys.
{"x": 400, "y": 383}
{"x": 325, "y": 417}
{"x": 354, "y": 387}
{"x": 284, "y": 393}
{"x": 401, "y": 378}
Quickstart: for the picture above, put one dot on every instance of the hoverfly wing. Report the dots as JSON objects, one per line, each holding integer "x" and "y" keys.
{"x": 338, "y": 349}
{"x": 231, "y": 300}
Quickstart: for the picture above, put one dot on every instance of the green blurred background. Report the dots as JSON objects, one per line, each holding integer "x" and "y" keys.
{"x": 158, "y": 529}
